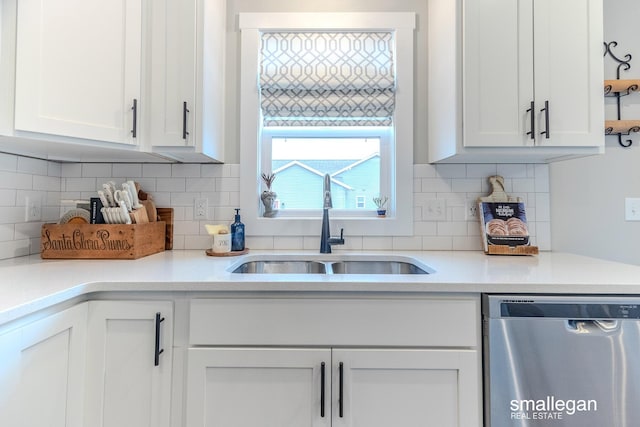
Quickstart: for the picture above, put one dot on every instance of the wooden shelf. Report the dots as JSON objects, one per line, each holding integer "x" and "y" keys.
{"x": 625, "y": 127}
{"x": 622, "y": 86}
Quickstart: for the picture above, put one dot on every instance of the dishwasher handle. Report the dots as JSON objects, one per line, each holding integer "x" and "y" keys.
{"x": 592, "y": 326}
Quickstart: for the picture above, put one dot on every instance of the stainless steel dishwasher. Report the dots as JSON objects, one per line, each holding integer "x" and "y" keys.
{"x": 561, "y": 361}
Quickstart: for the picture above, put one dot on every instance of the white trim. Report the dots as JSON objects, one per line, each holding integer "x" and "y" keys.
{"x": 399, "y": 221}
{"x": 328, "y": 21}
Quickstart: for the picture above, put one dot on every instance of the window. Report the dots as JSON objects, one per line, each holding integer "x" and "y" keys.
{"x": 327, "y": 93}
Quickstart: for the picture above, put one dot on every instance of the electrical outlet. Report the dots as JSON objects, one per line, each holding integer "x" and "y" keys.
{"x": 435, "y": 210}
{"x": 200, "y": 208}
{"x": 632, "y": 209}
{"x": 33, "y": 209}
{"x": 471, "y": 210}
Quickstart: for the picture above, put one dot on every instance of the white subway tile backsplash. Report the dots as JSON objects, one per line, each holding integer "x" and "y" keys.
{"x": 481, "y": 170}
{"x": 437, "y": 243}
{"x": 185, "y": 170}
{"x": 97, "y": 170}
{"x": 127, "y": 170}
{"x": 81, "y": 184}
{"x": 375, "y": 243}
{"x": 7, "y": 232}
{"x": 15, "y": 180}
{"x": 451, "y": 170}
{"x": 466, "y": 185}
{"x": 285, "y": 243}
{"x": 8, "y": 162}
{"x": 71, "y": 170}
{"x": 32, "y": 166}
{"x": 171, "y": 184}
{"x": 424, "y": 171}
{"x": 507, "y": 170}
{"x": 7, "y": 197}
{"x": 153, "y": 170}
{"x": 523, "y": 185}
{"x": 178, "y": 185}
{"x": 54, "y": 169}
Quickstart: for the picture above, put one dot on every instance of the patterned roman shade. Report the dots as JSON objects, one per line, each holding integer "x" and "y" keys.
{"x": 327, "y": 78}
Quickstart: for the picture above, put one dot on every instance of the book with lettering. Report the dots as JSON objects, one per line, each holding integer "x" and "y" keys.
{"x": 95, "y": 206}
{"x": 503, "y": 223}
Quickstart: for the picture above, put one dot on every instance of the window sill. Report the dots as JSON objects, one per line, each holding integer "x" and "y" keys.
{"x": 288, "y": 226}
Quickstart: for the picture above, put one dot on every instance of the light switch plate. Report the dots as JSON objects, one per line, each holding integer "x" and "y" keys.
{"x": 632, "y": 209}
{"x": 200, "y": 208}
{"x": 435, "y": 210}
{"x": 33, "y": 209}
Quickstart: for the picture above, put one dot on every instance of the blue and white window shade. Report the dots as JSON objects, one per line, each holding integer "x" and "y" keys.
{"x": 327, "y": 78}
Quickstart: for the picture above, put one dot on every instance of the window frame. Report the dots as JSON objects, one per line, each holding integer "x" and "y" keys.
{"x": 399, "y": 220}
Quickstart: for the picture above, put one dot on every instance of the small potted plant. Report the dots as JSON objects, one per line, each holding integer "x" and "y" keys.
{"x": 268, "y": 197}
{"x": 380, "y": 203}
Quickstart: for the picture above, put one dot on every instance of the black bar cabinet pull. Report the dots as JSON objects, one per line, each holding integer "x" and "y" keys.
{"x": 134, "y": 130}
{"x": 546, "y": 131}
{"x": 322, "y": 389}
{"x": 158, "y": 350}
{"x": 341, "y": 391}
{"x": 533, "y": 120}
{"x": 185, "y": 110}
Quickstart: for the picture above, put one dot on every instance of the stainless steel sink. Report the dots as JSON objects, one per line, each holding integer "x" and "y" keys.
{"x": 375, "y": 267}
{"x": 282, "y": 267}
{"x": 349, "y": 264}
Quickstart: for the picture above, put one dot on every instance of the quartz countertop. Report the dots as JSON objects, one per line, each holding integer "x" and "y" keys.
{"x": 28, "y": 284}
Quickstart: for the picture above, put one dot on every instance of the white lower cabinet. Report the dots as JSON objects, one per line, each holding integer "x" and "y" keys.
{"x": 333, "y": 361}
{"x": 42, "y": 371}
{"x": 129, "y": 358}
{"x": 299, "y": 387}
{"x": 257, "y": 387}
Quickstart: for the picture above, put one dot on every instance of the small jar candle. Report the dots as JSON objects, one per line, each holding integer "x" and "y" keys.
{"x": 221, "y": 242}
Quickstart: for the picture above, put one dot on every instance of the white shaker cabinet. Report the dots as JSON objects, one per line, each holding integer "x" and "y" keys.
{"x": 78, "y": 69}
{"x": 404, "y": 387}
{"x": 248, "y": 387}
{"x": 42, "y": 372}
{"x": 387, "y": 361}
{"x": 298, "y": 387}
{"x": 129, "y": 358}
{"x": 517, "y": 80}
{"x": 187, "y": 79}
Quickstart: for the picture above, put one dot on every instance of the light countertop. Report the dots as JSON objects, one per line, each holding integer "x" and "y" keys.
{"x": 28, "y": 284}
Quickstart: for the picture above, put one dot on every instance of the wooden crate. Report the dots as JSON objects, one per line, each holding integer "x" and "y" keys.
{"x": 102, "y": 241}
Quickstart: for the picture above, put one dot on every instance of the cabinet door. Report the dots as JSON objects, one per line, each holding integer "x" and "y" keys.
{"x": 9, "y": 377}
{"x": 498, "y": 73}
{"x": 51, "y": 370}
{"x": 406, "y": 388}
{"x": 173, "y": 72}
{"x": 125, "y": 387}
{"x": 249, "y": 387}
{"x": 78, "y": 68}
{"x": 569, "y": 72}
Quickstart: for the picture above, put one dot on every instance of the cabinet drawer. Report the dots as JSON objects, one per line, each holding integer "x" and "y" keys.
{"x": 335, "y": 321}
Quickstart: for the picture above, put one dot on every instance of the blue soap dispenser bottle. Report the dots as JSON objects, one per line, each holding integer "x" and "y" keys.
{"x": 237, "y": 233}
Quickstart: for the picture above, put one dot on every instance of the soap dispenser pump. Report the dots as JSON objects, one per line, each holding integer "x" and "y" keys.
{"x": 237, "y": 233}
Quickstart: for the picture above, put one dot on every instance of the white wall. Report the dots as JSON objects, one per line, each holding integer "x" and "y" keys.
{"x": 587, "y": 195}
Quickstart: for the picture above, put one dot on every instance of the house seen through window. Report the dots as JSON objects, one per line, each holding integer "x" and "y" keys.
{"x": 301, "y": 163}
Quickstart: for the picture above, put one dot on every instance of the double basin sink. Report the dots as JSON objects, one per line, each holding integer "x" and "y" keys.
{"x": 343, "y": 265}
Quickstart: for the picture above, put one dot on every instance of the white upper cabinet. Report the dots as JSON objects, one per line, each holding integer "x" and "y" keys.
{"x": 78, "y": 69}
{"x": 517, "y": 81}
{"x": 187, "y": 79}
